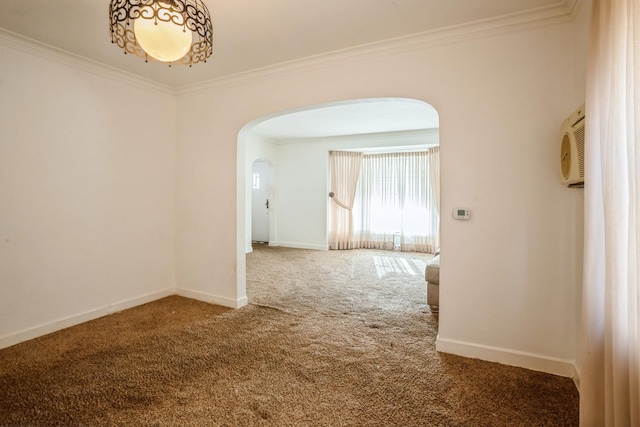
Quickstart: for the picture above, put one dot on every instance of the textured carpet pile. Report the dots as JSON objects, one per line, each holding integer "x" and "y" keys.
{"x": 340, "y": 338}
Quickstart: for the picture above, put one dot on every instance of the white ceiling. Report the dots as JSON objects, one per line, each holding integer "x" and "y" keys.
{"x": 252, "y": 34}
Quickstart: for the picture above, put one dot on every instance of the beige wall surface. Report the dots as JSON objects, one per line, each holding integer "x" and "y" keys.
{"x": 86, "y": 194}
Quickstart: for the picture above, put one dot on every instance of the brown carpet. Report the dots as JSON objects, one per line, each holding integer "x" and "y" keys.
{"x": 329, "y": 339}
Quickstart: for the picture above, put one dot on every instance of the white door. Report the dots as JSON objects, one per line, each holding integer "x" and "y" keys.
{"x": 260, "y": 201}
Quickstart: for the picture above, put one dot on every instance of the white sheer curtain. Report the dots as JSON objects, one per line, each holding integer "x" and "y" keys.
{"x": 610, "y": 356}
{"x": 395, "y": 199}
{"x": 434, "y": 181}
{"x": 377, "y": 206}
{"x": 345, "y": 172}
{"x": 420, "y": 220}
{"x": 434, "y": 175}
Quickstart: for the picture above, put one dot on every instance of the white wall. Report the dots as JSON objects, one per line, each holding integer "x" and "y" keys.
{"x": 86, "y": 193}
{"x": 303, "y": 182}
{"x": 508, "y": 277}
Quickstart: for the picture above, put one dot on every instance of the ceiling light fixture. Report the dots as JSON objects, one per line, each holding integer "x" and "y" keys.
{"x": 171, "y": 31}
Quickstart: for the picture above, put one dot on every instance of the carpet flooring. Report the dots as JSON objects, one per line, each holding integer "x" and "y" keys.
{"x": 339, "y": 338}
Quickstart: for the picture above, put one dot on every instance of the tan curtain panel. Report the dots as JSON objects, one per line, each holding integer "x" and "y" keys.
{"x": 345, "y": 171}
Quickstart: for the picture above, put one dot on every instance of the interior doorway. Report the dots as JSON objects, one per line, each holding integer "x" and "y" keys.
{"x": 296, "y": 144}
{"x": 261, "y": 201}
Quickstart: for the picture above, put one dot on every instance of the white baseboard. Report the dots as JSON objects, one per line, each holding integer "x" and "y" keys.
{"x": 76, "y": 319}
{"x": 576, "y": 376}
{"x": 212, "y": 299}
{"x": 300, "y": 246}
{"x": 535, "y": 362}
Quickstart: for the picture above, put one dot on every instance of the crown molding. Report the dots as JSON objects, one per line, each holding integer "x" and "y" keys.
{"x": 51, "y": 53}
{"x": 431, "y": 136}
{"x": 561, "y": 11}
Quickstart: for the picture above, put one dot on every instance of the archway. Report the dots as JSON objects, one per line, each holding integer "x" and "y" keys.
{"x": 261, "y": 138}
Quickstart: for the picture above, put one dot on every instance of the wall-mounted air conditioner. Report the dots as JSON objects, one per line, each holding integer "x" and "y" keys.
{"x": 572, "y": 149}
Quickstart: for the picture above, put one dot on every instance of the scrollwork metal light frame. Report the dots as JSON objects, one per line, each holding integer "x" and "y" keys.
{"x": 122, "y": 13}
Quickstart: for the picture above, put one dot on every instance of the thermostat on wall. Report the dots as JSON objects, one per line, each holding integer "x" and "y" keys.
{"x": 461, "y": 213}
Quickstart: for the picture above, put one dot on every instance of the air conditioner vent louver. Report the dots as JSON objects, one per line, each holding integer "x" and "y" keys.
{"x": 580, "y": 146}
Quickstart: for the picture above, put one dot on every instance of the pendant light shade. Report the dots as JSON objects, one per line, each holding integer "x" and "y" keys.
{"x": 171, "y": 31}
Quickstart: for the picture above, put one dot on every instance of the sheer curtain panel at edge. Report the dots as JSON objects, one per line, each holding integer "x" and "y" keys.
{"x": 610, "y": 353}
